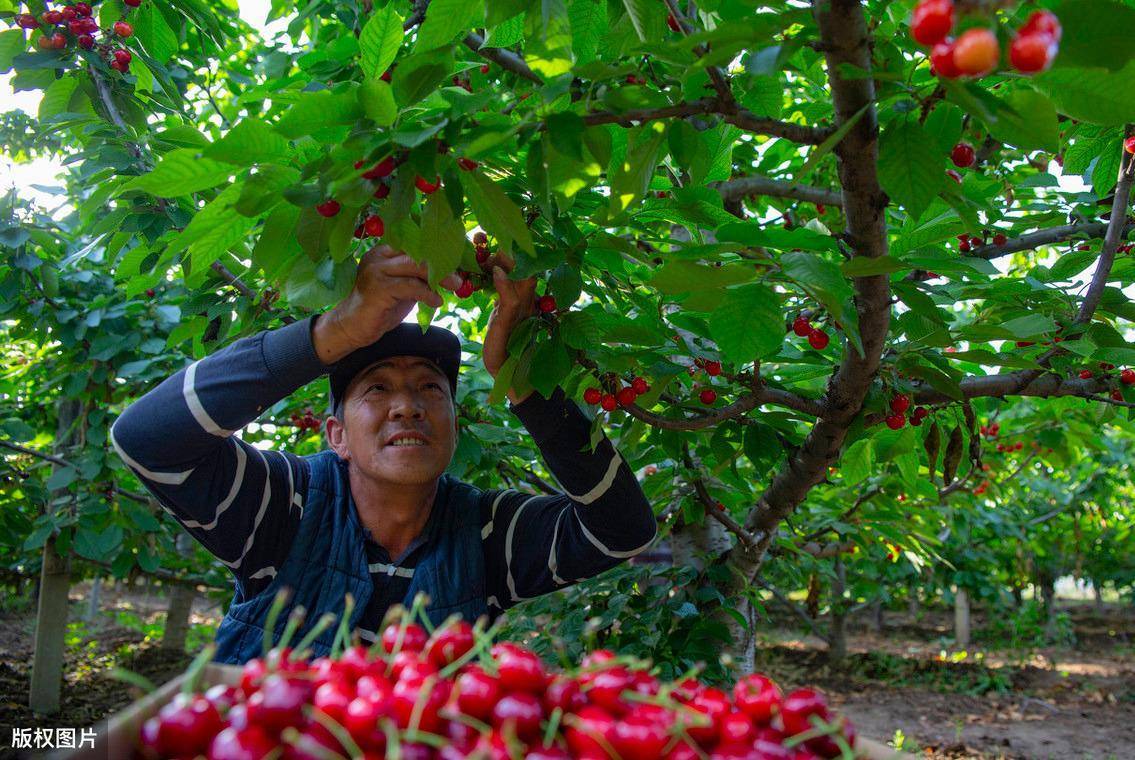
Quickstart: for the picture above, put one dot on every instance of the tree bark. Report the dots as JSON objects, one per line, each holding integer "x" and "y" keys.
{"x": 837, "y": 641}
{"x": 180, "y": 606}
{"x": 54, "y": 585}
{"x": 961, "y": 618}
{"x": 1097, "y": 594}
{"x": 1047, "y": 582}
{"x": 877, "y": 621}
{"x": 93, "y": 599}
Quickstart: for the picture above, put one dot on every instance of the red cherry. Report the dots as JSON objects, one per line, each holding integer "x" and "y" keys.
{"x": 564, "y": 693}
{"x": 920, "y": 413}
{"x": 933, "y": 21}
{"x": 467, "y": 164}
{"x": 964, "y": 246}
{"x": 799, "y": 706}
{"x": 183, "y": 727}
{"x": 413, "y": 639}
{"x": 385, "y": 76}
{"x": 1127, "y": 377}
{"x": 149, "y": 292}
{"x": 519, "y": 668}
{"x": 373, "y": 226}
{"x": 360, "y": 233}
{"x": 27, "y": 21}
{"x": 123, "y": 29}
{"x": 818, "y": 339}
{"x": 482, "y": 256}
{"x": 381, "y": 191}
{"x": 758, "y": 697}
{"x": 132, "y": 3}
{"x": 802, "y": 327}
{"x": 713, "y": 368}
{"x": 484, "y": 68}
{"x": 608, "y": 402}
{"x": 673, "y": 23}
{"x": 123, "y": 56}
{"x": 249, "y": 743}
{"x": 643, "y": 733}
{"x": 383, "y": 168}
{"x": 1117, "y": 395}
{"x": 1129, "y": 146}
{"x": 450, "y": 643}
{"x": 954, "y": 176}
{"x": 426, "y": 186}
{"x": 639, "y": 385}
{"x": 977, "y": 51}
{"x": 523, "y": 711}
{"x": 895, "y": 421}
{"x": 1085, "y": 374}
{"x": 68, "y": 13}
{"x": 52, "y": 17}
{"x": 626, "y": 396}
{"x": 1000, "y": 238}
{"x": 476, "y": 692}
{"x": 83, "y": 10}
{"x": 963, "y": 155}
{"x": 278, "y": 703}
{"x": 708, "y": 396}
{"x": 942, "y": 60}
{"x": 85, "y": 41}
{"x": 328, "y": 208}
{"x": 546, "y": 304}
{"x": 58, "y": 41}
{"x": 1030, "y": 53}
{"x": 900, "y": 403}
{"x": 592, "y": 728}
{"x": 1042, "y": 22}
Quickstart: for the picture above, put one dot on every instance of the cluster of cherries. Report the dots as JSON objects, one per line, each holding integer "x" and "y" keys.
{"x": 623, "y": 397}
{"x": 306, "y": 421}
{"x": 976, "y": 51}
{"x": 899, "y": 404}
{"x": 59, "y": 26}
{"x": 817, "y": 338}
{"x": 1126, "y": 377}
{"x": 968, "y": 242}
{"x": 454, "y": 694}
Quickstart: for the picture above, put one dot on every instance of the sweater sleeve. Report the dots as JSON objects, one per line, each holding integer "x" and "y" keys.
{"x": 240, "y": 502}
{"x": 536, "y": 544}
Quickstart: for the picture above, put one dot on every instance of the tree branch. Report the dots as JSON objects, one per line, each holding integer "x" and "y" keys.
{"x": 226, "y": 274}
{"x": 133, "y": 496}
{"x": 506, "y": 59}
{"x": 1006, "y": 384}
{"x": 716, "y": 74}
{"x": 742, "y": 187}
{"x": 1048, "y": 236}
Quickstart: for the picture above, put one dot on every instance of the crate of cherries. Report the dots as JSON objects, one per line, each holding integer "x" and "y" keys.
{"x": 452, "y": 692}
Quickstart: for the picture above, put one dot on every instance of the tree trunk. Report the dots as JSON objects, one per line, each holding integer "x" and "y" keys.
{"x": 93, "y": 599}
{"x": 54, "y": 585}
{"x": 837, "y": 641}
{"x": 180, "y": 605}
{"x": 877, "y": 621}
{"x": 961, "y": 618}
{"x": 912, "y": 608}
{"x": 1097, "y": 594}
{"x": 1048, "y": 594}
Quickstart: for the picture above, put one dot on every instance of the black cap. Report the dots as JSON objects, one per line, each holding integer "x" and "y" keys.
{"x": 437, "y": 344}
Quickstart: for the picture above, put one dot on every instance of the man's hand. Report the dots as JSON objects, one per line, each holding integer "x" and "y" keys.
{"x": 387, "y": 285}
{"x": 516, "y": 301}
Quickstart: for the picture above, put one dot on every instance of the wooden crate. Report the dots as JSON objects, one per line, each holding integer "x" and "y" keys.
{"x": 116, "y": 739}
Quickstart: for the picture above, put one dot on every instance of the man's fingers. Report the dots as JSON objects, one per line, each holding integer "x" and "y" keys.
{"x": 414, "y": 289}
{"x": 505, "y": 261}
{"x": 382, "y": 249}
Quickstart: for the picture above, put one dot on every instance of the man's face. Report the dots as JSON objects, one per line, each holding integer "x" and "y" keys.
{"x": 396, "y": 395}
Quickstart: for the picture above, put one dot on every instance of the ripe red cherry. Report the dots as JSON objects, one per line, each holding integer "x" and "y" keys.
{"x": 942, "y": 60}
{"x": 592, "y": 728}
{"x": 639, "y": 385}
{"x": 900, "y": 403}
{"x": 383, "y": 168}
{"x": 52, "y": 17}
{"x": 1042, "y": 22}
{"x": 977, "y": 51}
{"x": 476, "y": 692}
{"x": 482, "y": 255}
{"x": 1129, "y": 144}
{"x": 450, "y": 643}
{"x": 1030, "y": 53}
{"x": 373, "y": 226}
{"x": 933, "y": 21}
{"x": 467, "y": 164}
{"x": 758, "y": 697}
{"x": 523, "y": 711}
{"x": 963, "y": 155}
{"x": 381, "y": 191}
{"x": 1127, "y": 377}
{"x": 895, "y": 421}
{"x": 818, "y": 339}
{"x": 802, "y": 327}
{"x": 608, "y": 402}
{"x": 149, "y": 292}
{"x": 278, "y": 703}
{"x": 123, "y": 29}
{"x": 484, "y": 68}
{"x": 68, "y": 13}
{"x": 413, "y": 640}
{"x": 519, "y": 669}
{"x": 123, "y": 56}
{"x": 708, "y": 396}
{"x": 132, "y": 3}
{"x": 1085, "y": 374}
{"x": 797, "y": 709}
{"x": 920, "y": 413}
{"x": 44, "y": 43}
{"x": 426, "y": 186}
{"x": 713, "y": 368}
{"x": 673, "y": 23}
{"x": 249, "y": 743}
{"x": 625, "y": 396}
{"x": 27, "y": 21}
{"x": 964, "y": 246}
{"x": 184, "y": 726}
{"x": 328, "y": 208}
{"x": 563, "y": 692}
{"x": 480, "y": 238}
{"x": 643, "y": 733}
{"x": 1000, "y": 238}
{"x": 58, "y": 41}
{"x": 83, "y": 9}
{"x": 546, "y": 304}
{"x": 360, "y": 233}
{"x": 385, "y": 76}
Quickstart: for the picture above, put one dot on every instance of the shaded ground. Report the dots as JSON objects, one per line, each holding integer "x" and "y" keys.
{"x": 1059, "y": 703}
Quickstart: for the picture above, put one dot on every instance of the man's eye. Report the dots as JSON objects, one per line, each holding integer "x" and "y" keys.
{"x": 376, "y": 385}
{"x": 434, "y": 385}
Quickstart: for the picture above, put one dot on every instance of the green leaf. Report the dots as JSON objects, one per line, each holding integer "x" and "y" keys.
{"x": 748, "y": 324}
{"x": 214, "y": 229}
{"x": 181, "y": 172}
{"x": 443, "y": 239}
{"x": 251, "y": 141}
{"x": 316, "y": 286}
{"x": 57, "y": 98}
{"x": 1094, "y": 95}
{"x": 680, "y": 276}
{"x": 631, "y": 177}
{"x": 550, "y": 365}
{"x": 547, "y": 38}
{"x": 277, "y": 244}
{"x": 379, "y": 41}
{"x": 911, "y": 168}
{"x": 314, "y": 111}
{"x": 1105, "y": 170}
{"x": 648, "y": 19}
{"x": 505, "y": 34}
{"x": 444, "y": 20}
{"x": 858, "y": 461}
{"x": 12, "y": 43}
{"x": 496, "y": 212}
{"x": 761, "y": 446}
{"x": 262, "y": 190}
{"x": 98, "y": 544}
{"x": 1028, "y": 121}
{"x": 828, "y": 145}
{"x": 154, "y": 32}
{"x": 417, "y": 76}
{"x": 820, "y": 278}
{"x": 377, "y": 99}
{"x": 588, "y": 25}
{"x": 755, "y": 233}
{"x": 1096, "y": 33}
{"x": 864, "y": 266}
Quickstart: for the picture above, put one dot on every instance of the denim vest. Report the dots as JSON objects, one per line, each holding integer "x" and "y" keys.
{"x": 328, "y": 559}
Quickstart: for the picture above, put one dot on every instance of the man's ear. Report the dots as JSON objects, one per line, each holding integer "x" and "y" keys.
{"x": 337, "y": 438}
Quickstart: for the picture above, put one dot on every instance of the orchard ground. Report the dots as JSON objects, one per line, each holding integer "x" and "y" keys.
{"x": 990, "y": 701}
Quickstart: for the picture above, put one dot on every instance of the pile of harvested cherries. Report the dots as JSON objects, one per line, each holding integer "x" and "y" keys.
{"x": 453, "y": 693}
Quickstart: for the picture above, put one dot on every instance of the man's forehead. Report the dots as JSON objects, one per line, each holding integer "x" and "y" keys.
{"x": 403, "y": 362}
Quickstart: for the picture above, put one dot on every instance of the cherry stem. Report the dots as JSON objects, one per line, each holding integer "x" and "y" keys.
{"x": 189, "y": 685}
{"x": 320, "y": 626}
{"x": 273, "y": 614}
{"x": 553, "y": 725}
{"x": 295, "y": 620}
{"x": 343, "y": 634}
{"x": 341, "y": 734}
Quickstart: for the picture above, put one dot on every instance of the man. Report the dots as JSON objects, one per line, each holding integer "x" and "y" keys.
{"x": 376, "y": 515}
